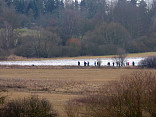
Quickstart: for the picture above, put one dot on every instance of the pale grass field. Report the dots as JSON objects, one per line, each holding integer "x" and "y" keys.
{"x": 57, "y": 85}
{"x": 18, "y": 58}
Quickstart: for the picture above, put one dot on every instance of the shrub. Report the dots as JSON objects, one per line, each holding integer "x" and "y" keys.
{"x": 73, "y": 108}
{"x": 2, "y": 99}
{"x": 132, "y": 96}
{"x": 30, "y": 107}
{"x": 149, "y": 62}
{"x": 2, "y": 96}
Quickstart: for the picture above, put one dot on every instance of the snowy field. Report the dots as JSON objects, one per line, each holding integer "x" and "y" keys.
{"x": 68, "y": 62}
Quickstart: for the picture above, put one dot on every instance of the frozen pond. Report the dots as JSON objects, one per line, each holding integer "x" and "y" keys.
{"x": 68, "y": 62}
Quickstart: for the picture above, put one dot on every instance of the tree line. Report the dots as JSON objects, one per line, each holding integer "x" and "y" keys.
{"x": 52, "y": 28}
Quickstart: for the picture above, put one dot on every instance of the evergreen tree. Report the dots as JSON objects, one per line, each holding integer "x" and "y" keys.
{"x": 33, "y": 6}
{"x": 50, "y": 5}
{"x": 76, "y": 5}
{"x": 9, "y": 2}
{"x": 134, "y": 2}
{"x": 19, "y": 5}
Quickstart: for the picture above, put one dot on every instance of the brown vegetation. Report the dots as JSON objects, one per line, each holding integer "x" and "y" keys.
{"x": 28, "y": 107}
{"x": 59, "y": 85}
{"x": 14, "y": 57}
{"x": 149, "y": 62}
{"x": 132, "y": 96}
{"x": 2, "y": 96}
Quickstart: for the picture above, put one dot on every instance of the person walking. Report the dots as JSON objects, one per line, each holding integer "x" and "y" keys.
{"x": 88, "y": 63}
{"x": 133, "y": 63}
{"x": 113, "y": 64}
{"x": 108, "y": 63}
{"x": 85, "y": 63}
{"x": 78, "y": 63}
{"x": 95, "y": 63}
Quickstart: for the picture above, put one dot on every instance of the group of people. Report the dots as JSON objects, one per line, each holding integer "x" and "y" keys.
{"x": 85, "y": 63}
{"x": 118, "y": 64}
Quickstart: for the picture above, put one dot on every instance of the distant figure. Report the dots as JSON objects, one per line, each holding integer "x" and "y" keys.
{"x": 127, "y": 63}
{"x": 33, "y": 65}
{"x": 95, "y": 63}
{"x": 117, "y": 64}
{"x": 88, "y": 63}
{"x": 113, "y": 64}
{"x": 108, "y": 63}
{"x": 85, "y": 63}
{"x": 122, "y": 64}
{"x": 78, "y": 63}
{"x": 133, "y": 63}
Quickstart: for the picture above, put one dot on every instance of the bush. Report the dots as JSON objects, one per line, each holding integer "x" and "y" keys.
{"x": 30, "y": 107}
{"x": 132, "y": 96}
{"x": 2, "y": 96}
{"x": 73, "y": 108}
{"x": 149, "y": 62}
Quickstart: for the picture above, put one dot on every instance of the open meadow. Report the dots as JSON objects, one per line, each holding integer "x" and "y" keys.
{"x": 57, "y": 84}
{"x": 19, "y": 58}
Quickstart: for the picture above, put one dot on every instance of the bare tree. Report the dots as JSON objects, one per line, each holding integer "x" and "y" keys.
{"x": 8, "y": 36}
{"x": 9, "y": 21}
{"x": 120, "y": 57}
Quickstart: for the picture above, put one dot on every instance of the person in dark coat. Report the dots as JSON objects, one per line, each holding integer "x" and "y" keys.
{"x": 133, "y": 63}
{"x": 113, "y": 64}
{"x": 88, "y": 63}
{"x": 78, "y": 63}
{"x": 117, "y": 64}
{"x": 108, "y": 63}
{"x": 85, "y": 63}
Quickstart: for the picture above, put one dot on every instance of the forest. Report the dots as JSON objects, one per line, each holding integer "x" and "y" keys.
{"x": 60, "y": 28}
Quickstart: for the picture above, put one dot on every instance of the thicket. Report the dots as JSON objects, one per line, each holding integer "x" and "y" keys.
{"x": 132, "y": 96}
{"x": 149, "y": 62}
{"x": 52, "y": 28}
{"x": 28, "y": 107}
{"x": 2, "y": 97}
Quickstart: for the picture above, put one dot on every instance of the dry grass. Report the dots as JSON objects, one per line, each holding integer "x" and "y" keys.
{"x": 57, "y": 85}
{"x": 133, "y": 95}
{"x": 18, "y": 58}
{"x": 146, "y": 54}
{"x": 65, "y": 74}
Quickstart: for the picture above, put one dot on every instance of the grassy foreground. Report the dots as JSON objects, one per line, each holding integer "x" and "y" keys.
{"x": 57, "y": 85}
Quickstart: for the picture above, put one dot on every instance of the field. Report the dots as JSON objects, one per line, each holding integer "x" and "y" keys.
{"x": 18, "y": 58}
{"x": 57, "y": 84}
